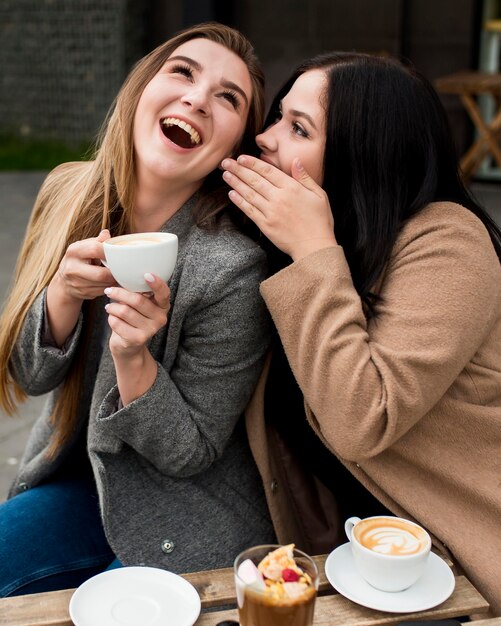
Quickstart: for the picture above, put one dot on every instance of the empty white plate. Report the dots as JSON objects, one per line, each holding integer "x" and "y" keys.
{"x": 133, "y": 596}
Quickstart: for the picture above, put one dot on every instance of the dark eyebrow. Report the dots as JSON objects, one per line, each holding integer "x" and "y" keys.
{"x": 296, "y": 113}
{"x": 304, "y": 115}
{"x": 227, "y": 84}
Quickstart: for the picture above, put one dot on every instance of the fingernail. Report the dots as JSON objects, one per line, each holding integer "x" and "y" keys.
{"x": 243, "y": 160}
{"x": 225, "y": 163}
{"x": 227, "y": 175}
{"x": 108, "y": 291}
{"x": 149, "y": 278}
{"x": 299, "y": 165}
{"x": 107, "y": 307}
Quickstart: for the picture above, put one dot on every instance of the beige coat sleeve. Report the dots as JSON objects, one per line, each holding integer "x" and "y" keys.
{"x": 368, "y": 384}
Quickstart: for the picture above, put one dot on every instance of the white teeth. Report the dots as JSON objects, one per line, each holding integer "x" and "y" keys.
{"x": 173, "y": 121}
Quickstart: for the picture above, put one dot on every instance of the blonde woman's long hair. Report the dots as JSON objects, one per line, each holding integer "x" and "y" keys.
{"x": 78, "y": 200}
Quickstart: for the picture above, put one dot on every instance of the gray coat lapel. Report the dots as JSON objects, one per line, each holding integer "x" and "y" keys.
{"x": 180, "y": 224}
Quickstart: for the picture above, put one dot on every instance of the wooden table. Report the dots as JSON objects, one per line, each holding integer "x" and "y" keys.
{"x": 216, "y": 588}
{"x": 468, "y": 86}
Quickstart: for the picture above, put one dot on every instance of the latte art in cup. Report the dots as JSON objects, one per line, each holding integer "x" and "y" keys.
{"x": 390, "y": 537}
{"x": 390, "y": 553}
{"x": 131, "y": 241}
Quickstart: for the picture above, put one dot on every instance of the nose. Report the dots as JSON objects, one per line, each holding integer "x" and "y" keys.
{"x": 266, "y": 141}
{"x": 197, "y": 98}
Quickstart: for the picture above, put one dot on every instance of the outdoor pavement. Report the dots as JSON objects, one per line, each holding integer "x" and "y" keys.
{"x": 17, "y": 194}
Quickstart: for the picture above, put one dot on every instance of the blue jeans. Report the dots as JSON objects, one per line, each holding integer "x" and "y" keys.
{"x": 52, "y": 537}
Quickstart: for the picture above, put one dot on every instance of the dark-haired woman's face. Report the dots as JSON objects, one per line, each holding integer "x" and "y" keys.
{"x": 299, "y": 130}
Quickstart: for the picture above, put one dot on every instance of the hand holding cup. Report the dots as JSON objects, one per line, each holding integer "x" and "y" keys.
{"x": 130, "y": 257}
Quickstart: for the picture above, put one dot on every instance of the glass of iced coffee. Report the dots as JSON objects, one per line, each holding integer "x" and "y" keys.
{"x": 276, "y": 586}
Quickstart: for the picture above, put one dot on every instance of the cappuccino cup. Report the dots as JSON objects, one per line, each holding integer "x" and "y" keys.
{"x": 130, "y": 257}
{"x": 390, "y": 553}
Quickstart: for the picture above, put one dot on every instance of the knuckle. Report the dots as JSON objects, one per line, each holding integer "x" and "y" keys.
{"x": 103, "y": 274}
{"x": 246, "y": 206}
{"x": 120, "y": 310}
{"x": 267, "y": 170}
{"x": 63, "y": 273}
{"x": 136, "y": 300}
{"x": 251, "y": 196}
{"x": 254, "y": 181}
{"x": 260, "y": 185}
{"x": 65, "y": 269}
{"x": 239, "y": 185}
{"x": 267, "y": 221}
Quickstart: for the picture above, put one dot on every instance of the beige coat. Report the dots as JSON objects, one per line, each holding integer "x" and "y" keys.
{"x": 410, "y": 402}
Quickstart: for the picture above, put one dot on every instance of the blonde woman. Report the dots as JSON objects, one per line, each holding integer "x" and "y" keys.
{"x": 139, "y": 456}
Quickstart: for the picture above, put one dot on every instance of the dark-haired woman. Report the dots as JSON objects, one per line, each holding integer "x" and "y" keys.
{"x": 387, "y": 300}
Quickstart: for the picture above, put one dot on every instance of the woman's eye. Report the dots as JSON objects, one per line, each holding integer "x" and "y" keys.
{"x": 232, "y": 98}
{"x": 185, "y": 70}
{"x": 297, "y": 129}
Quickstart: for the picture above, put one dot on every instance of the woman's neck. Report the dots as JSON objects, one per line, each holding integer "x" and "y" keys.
{"x": 155, "y": 204}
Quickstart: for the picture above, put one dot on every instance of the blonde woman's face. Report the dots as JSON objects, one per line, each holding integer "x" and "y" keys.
{"x": 300, "y": 129}
{"x": 192, "y": 113}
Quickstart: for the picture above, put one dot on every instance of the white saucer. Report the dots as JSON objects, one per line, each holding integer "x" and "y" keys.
{"x": 133, "y": 596}
{"x": 434, "y": 586}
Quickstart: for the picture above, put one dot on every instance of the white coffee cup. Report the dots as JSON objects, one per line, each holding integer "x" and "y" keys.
{"x": 130, "y": 257}
{"x": 390, "y": 553}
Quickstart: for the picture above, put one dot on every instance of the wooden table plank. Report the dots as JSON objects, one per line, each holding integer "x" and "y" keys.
{"x": 336, "y": 610}
{"x": 216, "y": 588}
{"x": 38, "y": 609}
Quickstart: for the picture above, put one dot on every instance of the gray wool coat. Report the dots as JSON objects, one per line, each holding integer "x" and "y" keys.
{"x": 177, "y": 484}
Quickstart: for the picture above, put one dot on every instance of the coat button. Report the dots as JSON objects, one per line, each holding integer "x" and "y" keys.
{"x": 167, "y": 546}
{"x": 23, "y": 487}
{"x": 274, "y": 485}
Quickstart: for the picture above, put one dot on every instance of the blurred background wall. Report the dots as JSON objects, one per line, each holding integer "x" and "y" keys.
{"x": 62, "y": 61}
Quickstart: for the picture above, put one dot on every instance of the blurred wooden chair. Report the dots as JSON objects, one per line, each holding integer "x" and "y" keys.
{"x": 472, "y": 87}
{"x": 469, "y": 86}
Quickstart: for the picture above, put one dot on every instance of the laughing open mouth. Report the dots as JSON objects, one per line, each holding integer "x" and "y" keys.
{"x": 180, "y": 133}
